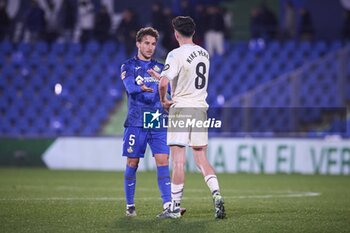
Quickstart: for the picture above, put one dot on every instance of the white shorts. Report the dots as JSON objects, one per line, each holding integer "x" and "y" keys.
{"x": 188, "y": 134}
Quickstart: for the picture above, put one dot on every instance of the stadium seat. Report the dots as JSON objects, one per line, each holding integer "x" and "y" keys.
{"x": 92, "y": 47}
{"x": 6, "y": 47}
{"x": 58, "y": 48}
{"x": 41, "y": 48}
{"x": 29, "y": 73}
{"x": 74, "y": 48}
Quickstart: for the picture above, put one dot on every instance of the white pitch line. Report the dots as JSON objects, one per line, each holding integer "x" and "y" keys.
{"x": 113, "y": 189}
{"x": 267, "y": 196}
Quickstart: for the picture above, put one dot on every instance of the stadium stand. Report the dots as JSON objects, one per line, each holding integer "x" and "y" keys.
{"x": 70, "y": 89}
{"x": 62, "y": 89}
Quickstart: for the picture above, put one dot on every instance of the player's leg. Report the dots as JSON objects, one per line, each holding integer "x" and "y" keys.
{"x": 177, "y": 184}
{"x": 210, "y": 178}
{"x": 163, "y": 178}
{"x": 198, "y": 142}
{"x": 160, "y": 150}
{"x": 177, "y": 139}
{"x": 134, "y": 145}
{"x": 130, "y": 184}
{"x": 200, "y": 157}
{"x": 178, "y": 176}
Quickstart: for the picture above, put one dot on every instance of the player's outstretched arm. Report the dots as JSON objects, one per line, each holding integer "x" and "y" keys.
{"x": 163, "y": 88}
{"x": 154, "y": 73}
{"x": 144, "y": 88}
{"x": 134, "y": 88}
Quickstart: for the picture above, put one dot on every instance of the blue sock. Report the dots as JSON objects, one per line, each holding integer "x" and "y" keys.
{"x": 164, "y": 183}
{"x": 130, "y": 184}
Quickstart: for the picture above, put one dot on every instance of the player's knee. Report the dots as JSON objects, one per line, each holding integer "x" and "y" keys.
{"x": 161, "y": 159}
{"x": 133, "y": 162}
{"x": 162, "y": 162}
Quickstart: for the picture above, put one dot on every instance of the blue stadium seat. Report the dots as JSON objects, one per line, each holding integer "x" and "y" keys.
{"x": 92, "y": 47}
{"x": 87, "y": 59}
{"x": 109, "y": 47}
{"x": 41, "y": 48}
{"x": 74, "y": 48}
{"x": 24, "y": 48}
{"x": 335, "y": 45}
{"x": 274, "y": 46}
{"x": 58, "y": 48}
{"x": 69, "y": 60}
{"x": 290, "y": 45}
{"x": 6, "y": 47}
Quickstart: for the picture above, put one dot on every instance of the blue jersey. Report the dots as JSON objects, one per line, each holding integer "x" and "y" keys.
{"x": 133, "y": 70}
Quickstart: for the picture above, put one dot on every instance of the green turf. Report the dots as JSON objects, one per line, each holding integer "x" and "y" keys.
{"x": 39, "y": 200}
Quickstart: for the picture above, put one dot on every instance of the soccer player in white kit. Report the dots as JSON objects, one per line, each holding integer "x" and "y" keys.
{"x": 187, "y": 69}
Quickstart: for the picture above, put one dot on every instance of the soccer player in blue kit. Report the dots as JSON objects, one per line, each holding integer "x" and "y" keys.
{"x": 140, "y": 76}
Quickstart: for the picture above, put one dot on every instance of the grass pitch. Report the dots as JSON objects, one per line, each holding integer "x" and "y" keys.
{"x": 40, "y": 200}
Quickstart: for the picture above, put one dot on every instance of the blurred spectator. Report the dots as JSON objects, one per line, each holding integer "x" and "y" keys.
{"x": 5, "y": 21}
{"x": 19, "y": 11}
{"x": 263, "y": 22}
{"x": 162, "y": 21}
{"x": 228, "y": 19}
{"x": 306, "y": 25}
{"x": 200, "y": 17}
{"x": 157, "y": 15}
{"x": 127, "y": 29}
{"x": 289, "y": 27}
{"x": 86, "y": 19}
{"x": 158, "y": 22}
{"x": 102, "y": 24}
{"x": 214, "y": 35}
{"x": 68, "y": 18}
{"x": 51, "y": 8}
{"x": 256, "y": 23}
{"x": 185, "y": 8}
{"x": 269, "y": 21}
{"x": 169, "y": 42}
{"x": 34, "y": 23}
{"x": 346, "y": 26}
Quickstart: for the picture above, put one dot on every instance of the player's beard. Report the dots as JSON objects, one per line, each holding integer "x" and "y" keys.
{"x": 147, "y": 55}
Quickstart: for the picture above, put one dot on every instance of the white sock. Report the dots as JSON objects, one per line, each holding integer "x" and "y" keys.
{"x": 176, "y": 195}
{"x": 213, "y": 184}
{"x": 166, "y": 205}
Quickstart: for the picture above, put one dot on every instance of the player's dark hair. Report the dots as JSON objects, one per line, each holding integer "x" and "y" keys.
{"x": 184, "y": 25}
{"x": 147, "y": 31}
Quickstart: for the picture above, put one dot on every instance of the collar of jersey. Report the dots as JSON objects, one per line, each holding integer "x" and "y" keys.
{"x": 142, "y": 61}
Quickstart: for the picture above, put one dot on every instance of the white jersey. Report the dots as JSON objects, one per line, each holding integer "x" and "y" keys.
{"x": 187, "y": 69}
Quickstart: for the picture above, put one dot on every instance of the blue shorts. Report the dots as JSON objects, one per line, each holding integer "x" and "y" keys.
{"x": 136, "y": 138}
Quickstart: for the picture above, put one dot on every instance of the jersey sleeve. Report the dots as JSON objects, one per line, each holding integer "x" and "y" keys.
{"x": 171, "y": 67}
{"x": 127, "y": 75}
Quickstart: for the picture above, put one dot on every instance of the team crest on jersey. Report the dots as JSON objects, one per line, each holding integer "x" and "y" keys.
{"x": 166, "y": 67}
{"x": 123, "y": 75}
{"x": 156, "y": 68}
{"x": 130, "y": 150}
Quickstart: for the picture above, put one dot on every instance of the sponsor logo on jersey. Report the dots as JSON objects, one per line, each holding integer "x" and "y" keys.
{"x": 156, "y": 68}
{"x": 141, "y": 80}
